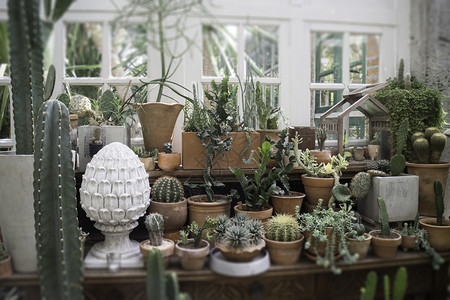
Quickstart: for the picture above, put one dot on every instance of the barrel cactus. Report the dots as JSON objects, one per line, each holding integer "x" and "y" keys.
{"x": 79, "y": 105}
{"x": 155, "y": 225}
{"x": 429, "y": 146}
{"x": 437, "y": 141}
{"x": 360, "y": 185}
{"x": 283, "y": 228}
{"x": 167, "y": 189}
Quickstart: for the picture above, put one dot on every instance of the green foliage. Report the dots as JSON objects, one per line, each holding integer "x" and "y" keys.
{"x": 58, "y": 240}
{"x": 360, "y": 185}
{"x": 368, "y": 292}
{"x": 321, "y": 136}
{"x": 141, "y": 152}
{"x": 283, "y": 148}
{"x": 439, "y": 201}
{"x": 197, "y": 231}
{"x": 342, "y": 193}
{"x": 422, "y": 106}
{"x": 238, "y": 232}
{"x": 167, "y": 147}
{"x": 167, "y": 189}
{"x": 385, "y": 229}
{"x": 283, "y": 228}
{"x": 195, "y": 113}
{"x": 317, "y": 223}
{"x": 429, "y": 146}
{"x": 398, "y": 164}
{"x": 160, "y": 286}
{"x": 258, "y": 191}
{"x": 357, "y": 229}
{"x": 154, "y": 223}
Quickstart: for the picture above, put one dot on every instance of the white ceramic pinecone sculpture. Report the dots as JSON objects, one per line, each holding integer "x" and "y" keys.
{"x": 115, "y": 191}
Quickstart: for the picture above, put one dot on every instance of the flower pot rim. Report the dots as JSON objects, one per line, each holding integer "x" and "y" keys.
{"x": 252, "y": 248}
{"x": 301, "y": 239}
{"x": 319, "y": 178}
{"x": 136, "y": 105}
{"x": 192, "y": 200}
{"x": 427, "y": 221}
{"x": 441, "y": 164}
{"x": 399, "y": 236}
{"x": 145, "y": 244}
{"x": 367, "y": 237}
{"x": 293, "y": 194}
{"x": 181, "y": 248}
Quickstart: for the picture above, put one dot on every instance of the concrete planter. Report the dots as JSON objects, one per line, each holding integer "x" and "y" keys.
{"x": 401, "y": 194}
{"x": 17, "y": 210}
{"x": 110, "y": 134}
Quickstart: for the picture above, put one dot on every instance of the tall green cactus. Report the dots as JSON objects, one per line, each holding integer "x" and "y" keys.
{"x": 155, "y": 225}
{"x": 167, "y": 189}
{"x": 439, "y": 202}
{"x": 400, "y": 284}
{"x": 26, "y": 69}
{"x": 385, "y": 229}
{"x": 160, "y": 286}
{"x": 57, "y": 234}
{"x": 369, "y": 290}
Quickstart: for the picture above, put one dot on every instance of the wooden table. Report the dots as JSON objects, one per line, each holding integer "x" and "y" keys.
{"x": 304, "y": 280}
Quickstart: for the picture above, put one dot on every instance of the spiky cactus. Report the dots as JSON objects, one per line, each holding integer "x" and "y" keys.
{"x": 437, "y": 141}
{"x": 421, "y": 146}
{"x": 321, "y": 136}
{"x": 155, "y": 226}
{"x": 167, "y": 189}
{"x": 429, "y": 148}
{"x": 79, "y": 105}
{"x": 161, "y": 286}
{"x": 360, "y": 185}
{"x": 283, "y": 228}
{"x": 398, "y": 164}
{"x": 385, "y": 229}
{"x": 439, "y": 202}
{"x": 26, "y": 69}
{"x": 97, "y": 136}
{"x": 58, "y": 240}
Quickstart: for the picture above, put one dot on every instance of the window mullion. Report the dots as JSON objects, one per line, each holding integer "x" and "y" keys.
{"x": 106, "y": 53}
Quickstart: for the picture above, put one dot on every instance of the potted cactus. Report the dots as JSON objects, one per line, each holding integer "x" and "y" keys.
{"x": 240, "y": 238}
{"x": 385, "y": 241}
{"x": 322, "y": 155}
{"x": 428, "y": 148}
{"x": 95, "y": 142}
{"x": 167, "y": 199}
{"x": 147, "y": 158}
{"x": 284, "y": 241}
{"x": 193, "y": 251}
{"x": 5, "y": 262}
{"x": 358, "y": 240}
{"x": 438, "y": 228}
{"x": 169, "y": 160}
{"x": 154, "y": 223}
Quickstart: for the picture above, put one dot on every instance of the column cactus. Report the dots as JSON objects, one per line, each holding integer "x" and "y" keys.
{"x": 155, "y": 225}
{"x": 439, "y": 202}
{"x": 58, "y": 240}
{"x": 429, "y": 146}
{"x": 385, "y": 229}
{"x": 167, "y": 189}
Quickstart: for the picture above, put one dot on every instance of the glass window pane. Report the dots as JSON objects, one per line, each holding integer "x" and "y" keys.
{"x": 220, "y": 50}
{"x": 327, "y": 57}
{"x": 4, "y": 49}
{"x": 129, "y": 50}
{"x": 84, "y": 49}
{"x": 364, "y": 58}
{"x": 5, "y": 125}
{"x": 261, "y": 51}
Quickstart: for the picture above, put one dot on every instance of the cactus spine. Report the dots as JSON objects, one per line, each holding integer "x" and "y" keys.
{"x": 421, "y": 147}
{"x": 283, "y": 228}
{"x": 26, "y": 69}
{"x": 437, "y": 141}
{"x": 155, "y": 225}
{"x": 160, "y": 286}
{"x": 439, "y": 202}
{"x": 58, "y": 240}
{"x": 385, "y": 230}
{"x": 167, "y": 189}
{"x": 429, "y": 145}
{"x": 360, "y": 185}
{"x": 321, "y": 137}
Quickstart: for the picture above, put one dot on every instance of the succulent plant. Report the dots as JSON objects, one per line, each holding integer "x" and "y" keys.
{"x": 377, "y": 173}
{"x": 239, "y": 232}
{"x": 360, "y": 185}
{"x": 429, "y": 148}
{"x": 283, "y": 228}
{"x": 154, "y": 223}
{"x": 385, "y": 229}
{"x": 167, "y": 148}
{"x": 384, "y": 165}
{"x": 96, "y": 136}
{"x": 439, "y": 202}
{"x": 398, "y": 164}
{"x": 79, "y": 105}
{"x": 167, "y": 189}
{"x": 321, "y": 136}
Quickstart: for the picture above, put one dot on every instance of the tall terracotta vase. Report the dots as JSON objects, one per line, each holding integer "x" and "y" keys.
{"x": 317, "y": 188}
{"x": 158, "y": 122}
{"x": 428, "y": 173}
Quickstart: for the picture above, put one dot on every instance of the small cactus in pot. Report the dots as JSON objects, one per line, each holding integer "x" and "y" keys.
{"x": 169, "y": 160}
{"x": 167, "y": 189}
{"x": 429, "y": 146}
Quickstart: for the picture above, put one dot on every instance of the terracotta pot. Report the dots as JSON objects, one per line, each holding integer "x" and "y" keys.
{"x": 409, "y": 242}
{"x": 321, "y": 156}
{"x": 174, "y": 213}
{"x": 321, "y": 246}
{"x": 192, "y": 258}
{"x": 438, "y": 236}
{"x": 262, "y": 215}
{"x": 385, "y": 247}
{"x": 374, "y": 151}
{"x": 148, "y": 162}
{"x": 241, "y": 255}
{"x": 307, "y": 134}
{"x": 358, "y": 154}
{"x": 166, "y": 249}
{"x": 5, "y": 267}
{"x": 158, "y": 122}
{"x": 428, "y": 173}
{"x": 317, "y": 188}
{"x": 169, "y": 161}
{"x": 360, "y": 247}
{"x": 194, "y": 154}
{"x": 285, "y": 253}
{"x": 285, "y": 204}
{"x": 199, "y": 208}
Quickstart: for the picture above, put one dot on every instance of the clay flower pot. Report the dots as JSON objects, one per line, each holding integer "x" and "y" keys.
{"x": 357, "y": 246}
{"x": 323, "y": 156}
{"x": 166, "y": 249}
{"x": 5, "y": 267}
{"x": 409, "y": 242}
{"x": 438, "y": 236}
{"x": 285, "y": 204}
{"x": 169, "y": 161}
{"x": 199, "y": 208}
{"x": 317, "y": 188}
{"x": 148, "y": 162}
{"x": 285, "y": 253}
{"x": 192, "y": 258}
{"x": 321, "y": 246}
{"x": 385, "y": 247}
{"x": 241, "y": 255}
{"x": 262, "y": 215}
{"x": 175, "y": 213}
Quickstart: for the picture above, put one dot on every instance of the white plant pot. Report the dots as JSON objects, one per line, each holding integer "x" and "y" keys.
{"x": 17, "y": 210}
{"x": 110, "y": 134}
{"x": 400, "y": 193}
